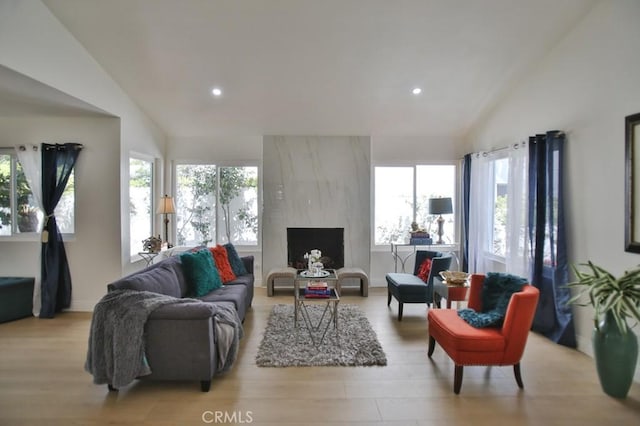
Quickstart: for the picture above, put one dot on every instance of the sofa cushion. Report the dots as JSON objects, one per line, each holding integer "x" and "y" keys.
{"x": 234, "y": 259}
{"x": 229, "y": 293}
{"x": 161, "y": 278}
{"x": 200, "y": 271}
{"x": 455, "y": 334}
{"x": 222, "y": 263}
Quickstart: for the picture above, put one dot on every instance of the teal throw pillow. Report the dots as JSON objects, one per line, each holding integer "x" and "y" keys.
{"x": 234, "y": 259}
{"x": 201, "y": 273}
{"x": 496, "y": 294}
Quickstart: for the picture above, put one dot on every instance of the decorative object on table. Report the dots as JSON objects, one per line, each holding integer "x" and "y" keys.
{"x": 28, "y": 218}
{"x": 152, "y": 244}
{"x": 614, "y": 299}
{"x": 314, "y": 265}
{"x": 166, "y": 208}
{"x": 283, "y": 346}
{"x": 419, "y": 236}
{"x": 440, "y": 206}
{"x": 455, "y": 277}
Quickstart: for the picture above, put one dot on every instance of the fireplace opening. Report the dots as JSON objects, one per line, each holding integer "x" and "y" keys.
{"x": 330, "y": 241}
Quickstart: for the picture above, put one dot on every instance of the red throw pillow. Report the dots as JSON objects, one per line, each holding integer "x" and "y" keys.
{"x": 425, "y": 268}
{"x": 222, "y": 263}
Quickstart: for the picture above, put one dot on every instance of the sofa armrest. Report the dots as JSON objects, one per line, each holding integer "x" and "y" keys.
{"x": 248, "y": 263}
{"x": 184, "y": 311}
{"x": 181, "y": 349}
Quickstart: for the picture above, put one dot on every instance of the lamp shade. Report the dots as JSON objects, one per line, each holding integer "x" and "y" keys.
{"x": 440, "y": 206}
{"x": 165, "y": 206}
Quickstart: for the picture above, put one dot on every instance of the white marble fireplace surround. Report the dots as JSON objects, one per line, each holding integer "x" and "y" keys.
{"x": 316, "y": 181}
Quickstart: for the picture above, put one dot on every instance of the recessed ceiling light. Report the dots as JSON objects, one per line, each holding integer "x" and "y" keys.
{"x": 416, "y": 91}
{"x": 216, "y": 91}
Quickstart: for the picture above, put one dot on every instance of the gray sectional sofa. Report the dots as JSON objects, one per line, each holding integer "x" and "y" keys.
{"x": 180, "y": 339}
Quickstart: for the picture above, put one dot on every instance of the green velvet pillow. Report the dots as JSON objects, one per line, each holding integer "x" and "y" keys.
{"x": 200, "y": 272}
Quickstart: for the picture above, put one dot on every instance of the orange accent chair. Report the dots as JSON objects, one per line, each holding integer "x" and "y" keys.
{"x": 467, "y": 345}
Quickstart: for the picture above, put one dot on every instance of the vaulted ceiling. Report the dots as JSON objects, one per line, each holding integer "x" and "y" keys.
{"x": 318, "y": 66}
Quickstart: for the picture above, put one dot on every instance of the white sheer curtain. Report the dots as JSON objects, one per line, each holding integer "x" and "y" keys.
{"x": 480, "y": 213}
{"x": 517, "y": 252}
{"x": 31, "y": 162}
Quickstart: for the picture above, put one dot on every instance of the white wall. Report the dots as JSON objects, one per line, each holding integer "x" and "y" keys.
{"x": 35, "y": 44}
{"x": 585, "y": 86}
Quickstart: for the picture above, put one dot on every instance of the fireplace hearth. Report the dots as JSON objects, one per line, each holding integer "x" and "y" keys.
{"x": 330, "y": 241}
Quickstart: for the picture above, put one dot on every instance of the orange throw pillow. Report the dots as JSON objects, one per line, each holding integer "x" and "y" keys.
{"x": 425, "y": 269}
{"x": 222, "y": 263}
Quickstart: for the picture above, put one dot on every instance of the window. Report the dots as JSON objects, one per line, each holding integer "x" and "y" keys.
{"x": 500, "y": 173}
{"x": 19, "y": 211}
{"x": 216, "y": 204}
{"x": 402, "y": 196}
{"x": 140, "y": 202}
{"x": 393, "y": 203}
{"x": 434, "y": 182}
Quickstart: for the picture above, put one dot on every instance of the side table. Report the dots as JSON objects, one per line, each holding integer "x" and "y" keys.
{"x": 453, "y": 293}
{"x": 329, "y": 314}
{"x": 148, "y": 256}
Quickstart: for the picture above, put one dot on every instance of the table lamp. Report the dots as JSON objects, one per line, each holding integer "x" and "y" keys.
{"x": 440, "y": 206}
{"x": 166, "y": 208}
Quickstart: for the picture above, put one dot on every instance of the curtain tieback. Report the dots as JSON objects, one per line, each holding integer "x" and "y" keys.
{"x": 45, "y": 233}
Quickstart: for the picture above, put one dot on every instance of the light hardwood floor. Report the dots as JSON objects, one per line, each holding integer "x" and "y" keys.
{"x": 42, "y": 382}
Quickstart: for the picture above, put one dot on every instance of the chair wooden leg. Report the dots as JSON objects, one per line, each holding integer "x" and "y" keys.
{"x": 205, "y": 385}
{"x": 432, "y": 346}
{"x": 399, "y": 311}
{"x": 516, "y": 371}
{"x": 457, "y": 379}
{"x": 388, "y": 298}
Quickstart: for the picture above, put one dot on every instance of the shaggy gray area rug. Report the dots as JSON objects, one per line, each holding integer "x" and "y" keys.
{"x": 285, "y": 346}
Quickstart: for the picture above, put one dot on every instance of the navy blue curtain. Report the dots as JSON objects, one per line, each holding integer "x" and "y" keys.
{"x": 547, "y": 239}
{"x": 58, "y": 162}
{"x": 466, "y": 185}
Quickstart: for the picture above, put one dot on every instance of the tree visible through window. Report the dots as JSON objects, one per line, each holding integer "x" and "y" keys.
{"x": 216, "y": 204}
{"x": 140, "y": 202}
{"x": 401, "y": 199}
{"x": 500, "y": 191}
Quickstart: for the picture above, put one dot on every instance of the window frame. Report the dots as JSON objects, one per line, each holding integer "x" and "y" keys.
{"x": 218, "y": 222}
{"x": 134, "y": 256}
{"x": 414, "y": 167}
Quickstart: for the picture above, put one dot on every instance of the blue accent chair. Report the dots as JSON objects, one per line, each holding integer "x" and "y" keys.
{"x": 408, "y": 288}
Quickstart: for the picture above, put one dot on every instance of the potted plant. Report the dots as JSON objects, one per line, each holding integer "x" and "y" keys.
{"x": 614, "y": 300}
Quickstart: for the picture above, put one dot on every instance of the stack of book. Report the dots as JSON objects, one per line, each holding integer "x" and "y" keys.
{"x": 317, "y": 289}
{"x": 419, "y": 238}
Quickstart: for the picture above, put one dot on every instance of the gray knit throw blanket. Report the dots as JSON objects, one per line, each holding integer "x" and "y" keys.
{"x": 116, "y": 341}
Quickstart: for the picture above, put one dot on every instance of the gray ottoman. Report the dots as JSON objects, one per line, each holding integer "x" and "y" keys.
{"x": 16, "y": 298}
{"x": 357, "y": 274}
{"x": 288, "y": 274}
